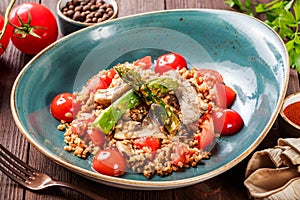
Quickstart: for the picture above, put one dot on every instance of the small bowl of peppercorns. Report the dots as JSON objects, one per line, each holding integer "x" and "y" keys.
{"x": 77, "y": 14}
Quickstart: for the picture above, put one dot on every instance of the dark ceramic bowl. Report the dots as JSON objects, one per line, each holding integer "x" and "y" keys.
{"x": 68, "y": 25}
{"x": 251, "y": 57}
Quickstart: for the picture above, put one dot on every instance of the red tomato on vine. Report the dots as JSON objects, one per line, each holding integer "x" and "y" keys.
{"x": 5, "y": 38}
{"x": 35, "y": 27}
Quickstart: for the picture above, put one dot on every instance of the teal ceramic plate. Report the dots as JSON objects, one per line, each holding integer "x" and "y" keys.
{"x": 250, "y": 56}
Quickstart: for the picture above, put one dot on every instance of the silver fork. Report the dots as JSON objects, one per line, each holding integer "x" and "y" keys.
{"x": 31, "y": 178}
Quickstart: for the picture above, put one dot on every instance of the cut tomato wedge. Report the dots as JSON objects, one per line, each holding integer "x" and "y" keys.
{"x": 207, "y": 135}
{"x": 149, "y": 142}
{"x": 145, "y": 62}
{"x": 224, "y": 95}
{"x": 102, "y": 82}
{"x": 213, "y": 74}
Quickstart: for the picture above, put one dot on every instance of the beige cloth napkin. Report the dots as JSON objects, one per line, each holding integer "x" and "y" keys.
{"x": 275, "y": 173}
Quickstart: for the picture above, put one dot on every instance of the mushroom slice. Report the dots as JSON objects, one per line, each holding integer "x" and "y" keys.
{"x": 107, "y": 96}
{"x": 189, "y": 102}
{"x": 124, "y": 148}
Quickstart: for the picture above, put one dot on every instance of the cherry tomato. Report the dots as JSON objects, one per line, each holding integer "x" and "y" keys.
{"x": 62, "y": 107}
{"x": 224, "y": 96}
{"x": 227, "y": 121}
{"x": 35, "y": 27}
{"x": 6, "y": 37}
{"x": 145, "y": 62}
{"x": 169, "y": 61}
{"x": 97, "y": 137}
{"x": 207, "y": 135}
{"x": 150, "y": 142}
{"x": 102, "y": 82}
{"x": 213, "y": 75}
{"x": 109, "y": 162}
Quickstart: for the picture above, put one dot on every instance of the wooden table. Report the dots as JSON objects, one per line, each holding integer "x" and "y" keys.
{"x": 226, "y": 186}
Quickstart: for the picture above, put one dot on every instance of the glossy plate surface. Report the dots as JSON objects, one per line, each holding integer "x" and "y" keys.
{"x": 250, "y": 56}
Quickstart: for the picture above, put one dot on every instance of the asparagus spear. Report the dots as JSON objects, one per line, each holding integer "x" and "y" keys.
{"x": 108, "y": 117}
{"x": 148, "y": 92}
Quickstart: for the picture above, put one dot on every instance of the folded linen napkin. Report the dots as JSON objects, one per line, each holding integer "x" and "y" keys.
{"x": 274, "y": 173}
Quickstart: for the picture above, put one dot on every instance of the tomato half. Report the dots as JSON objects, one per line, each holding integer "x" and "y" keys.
{"x": 207, "y": 135}
{"x": 145, "y": 62}
{"x": 96, "y": 137}
{"x": 62, "y": 107}
{"x": 224, "y": 95}
{"x": 212, "y": 75}
{"x": 35, "y": 27}
{"x": 109, "y": 162}
{"x": 169, "y": 61}
{"x": 6, "y": 37}
{"x": 227, "y": 122}
{"x": 103, "y": 82}
{"x": 150, "y": 142}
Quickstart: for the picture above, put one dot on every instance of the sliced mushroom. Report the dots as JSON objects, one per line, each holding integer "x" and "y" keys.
{"x": 107, "y": 96}
{"x": 124, "y": 148}
{"x": 189, "y": 102}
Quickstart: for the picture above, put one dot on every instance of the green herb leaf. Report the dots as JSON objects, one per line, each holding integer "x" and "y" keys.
{"x": 297, "y": 10}
{"x": 283, "y": 17}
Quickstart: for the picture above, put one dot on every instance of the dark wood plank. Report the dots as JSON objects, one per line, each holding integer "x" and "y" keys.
{"x": 170, "y": 4}
{"x": 10, "y": 65}
{"x": 139, "y": 6}
{"x": 293, "y": 85}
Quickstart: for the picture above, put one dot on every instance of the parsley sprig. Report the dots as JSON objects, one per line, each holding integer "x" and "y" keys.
{"x": 282, "y": 16}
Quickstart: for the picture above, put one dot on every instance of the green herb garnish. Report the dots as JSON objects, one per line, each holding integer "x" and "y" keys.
{"x": 282, "y": 16}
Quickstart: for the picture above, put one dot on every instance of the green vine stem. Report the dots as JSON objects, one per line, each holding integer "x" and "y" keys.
{"x": 6, "y": 17}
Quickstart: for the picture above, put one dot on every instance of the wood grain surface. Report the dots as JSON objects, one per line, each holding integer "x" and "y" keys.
{"x": 228, "y": 186}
